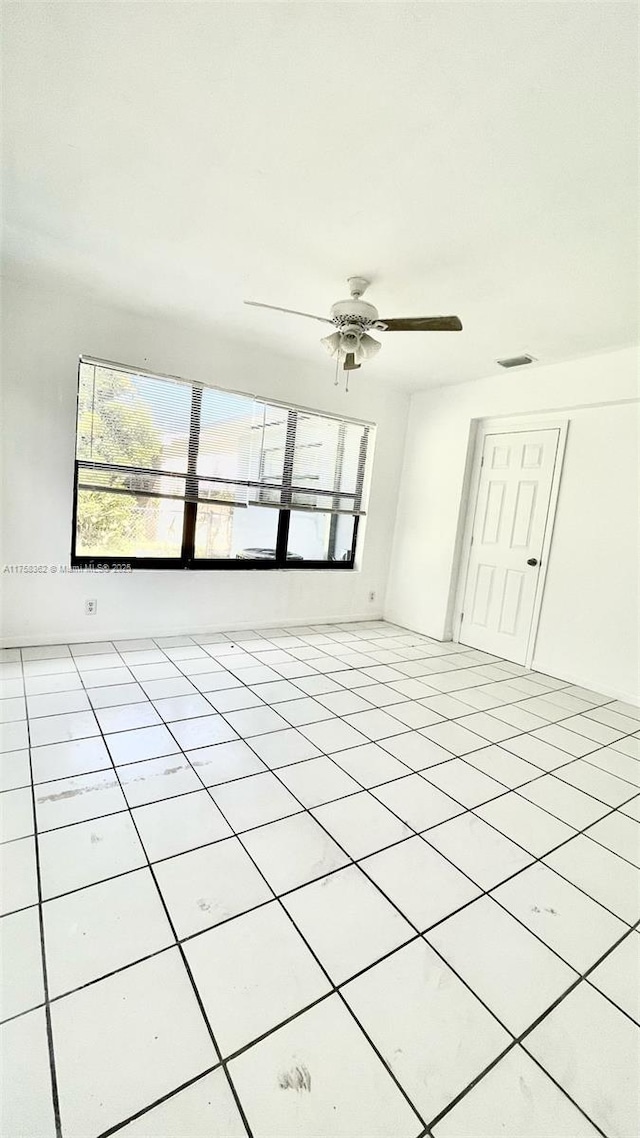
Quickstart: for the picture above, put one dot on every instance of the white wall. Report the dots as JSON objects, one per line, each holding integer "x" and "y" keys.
{"x": 46, "y": 328}
{"x": 588, "y": 630}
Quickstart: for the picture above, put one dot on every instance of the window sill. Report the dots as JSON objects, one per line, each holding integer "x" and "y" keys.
{"x": 237, "y": 566}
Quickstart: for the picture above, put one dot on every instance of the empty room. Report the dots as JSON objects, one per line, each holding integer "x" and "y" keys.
{"x": 320, "y": 640}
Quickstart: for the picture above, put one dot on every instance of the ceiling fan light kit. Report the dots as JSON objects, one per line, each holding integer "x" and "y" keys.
{"x": 354, "y": 318}
{"x": 351, "y": 339}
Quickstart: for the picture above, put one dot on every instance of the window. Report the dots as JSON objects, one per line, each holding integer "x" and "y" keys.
{"x": 174, "y": 475}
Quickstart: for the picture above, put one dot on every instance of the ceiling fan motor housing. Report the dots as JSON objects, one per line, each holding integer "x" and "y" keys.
{"x": 354, "y": 311}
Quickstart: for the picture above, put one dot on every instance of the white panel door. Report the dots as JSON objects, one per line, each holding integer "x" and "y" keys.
{"x": 512, "y": 506}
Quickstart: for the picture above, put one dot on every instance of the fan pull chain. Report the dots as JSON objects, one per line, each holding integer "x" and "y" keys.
{"x": 335, "y": 382}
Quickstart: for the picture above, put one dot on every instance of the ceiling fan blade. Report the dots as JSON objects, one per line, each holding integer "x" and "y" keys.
{"x": 350, "y": 362}
{"x": 423, "y": 324}
{"x": 291, "y": 311}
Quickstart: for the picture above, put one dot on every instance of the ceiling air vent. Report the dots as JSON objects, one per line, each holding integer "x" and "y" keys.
{"x": 516, "y": 361}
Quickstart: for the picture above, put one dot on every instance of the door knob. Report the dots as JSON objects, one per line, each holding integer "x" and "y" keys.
{"x": 532, "y": 561}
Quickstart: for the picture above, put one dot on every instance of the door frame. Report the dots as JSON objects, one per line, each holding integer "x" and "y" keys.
{"x": 509, "y": 426}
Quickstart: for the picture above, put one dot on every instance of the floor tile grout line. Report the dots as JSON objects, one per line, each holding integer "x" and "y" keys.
{"x": 572, "y": 758}
{"x": 337, "y": 989}
{"x": 583, "y": 831}
{"x": 238, "y": 636}
{"x": 388, "y": 899}
{"x": 405, "y": 730}
{"x": 97, "y": 979}
{"x": 539, "y": 860}
{"x": 466, "y": 809}
{"x": 507, "y": 789}
{"x": 466, "y": 666}
{"x": 489, "y": 892}
{"x": 589, "y": 759}
{"x": 611, "y": 810}
{"x": 334, "y": 756}
{"x": 185, "y": 962}
{"x": 518, "y": 1040}
{"x": 159, "y": 1101}
{"x": 290, "y": 919}
{"x": 202, "y": 845}
{"x": 352, "y": 860}
{"x": 615, "y": 810}
{"x": 554, "y": 771}
{"x": 472, "y": 809}
{"x": 395, "y": 704}
{"x": 333, "y": 987}
{"x": 465, "y": 758}
{"x": 458, "y": 867}
{"x": 435, "y": 1121}
{"x": 554, "y": 1080}
{"x": 484, "y": 892}
{"x": 419, "y": 931}
{"x": 610, "y": 1000}
{"x": 461, "y": 667}
{"x": 585, "y": 977}
{"x": 590, "y": 793}
{"x": 55, "y": 1097}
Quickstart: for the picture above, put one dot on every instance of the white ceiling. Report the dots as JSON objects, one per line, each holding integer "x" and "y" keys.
{"x": 471, "y": 158}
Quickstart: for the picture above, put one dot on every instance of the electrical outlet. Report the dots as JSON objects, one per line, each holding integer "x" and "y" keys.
{"x": 90, "y": 608}
{"x": 372, "y": 596}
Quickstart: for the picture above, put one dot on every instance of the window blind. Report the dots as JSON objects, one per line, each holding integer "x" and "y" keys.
{"x": 162, "y": 437}
{"x": 327, "y": 464}
{"x": 159, "y": 437}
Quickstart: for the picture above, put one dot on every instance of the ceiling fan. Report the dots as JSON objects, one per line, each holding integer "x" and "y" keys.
{"x": 354, "y": 318}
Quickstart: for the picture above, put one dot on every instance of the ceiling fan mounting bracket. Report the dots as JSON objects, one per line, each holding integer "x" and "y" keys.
{"x": 357, "y": 286}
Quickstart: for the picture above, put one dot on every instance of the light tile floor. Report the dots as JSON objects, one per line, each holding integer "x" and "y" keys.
{"x": 324, "y": 882}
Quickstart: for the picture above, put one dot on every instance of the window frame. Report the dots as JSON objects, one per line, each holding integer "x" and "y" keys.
{"x": 187, "y": 559}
